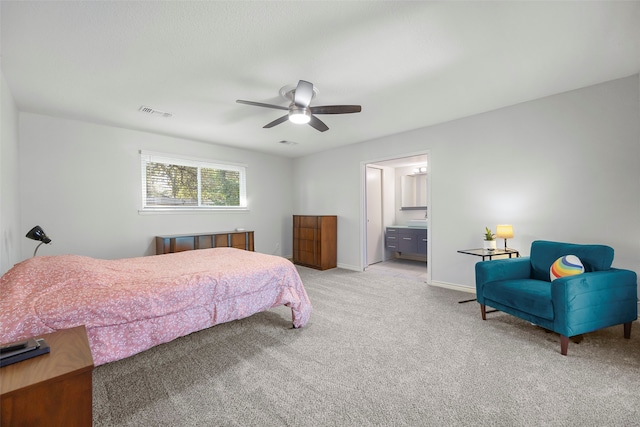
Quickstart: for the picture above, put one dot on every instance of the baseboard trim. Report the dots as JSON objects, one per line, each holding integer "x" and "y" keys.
{"x": 349, "y": 267}
{"x": 345, "y": 266}
{"x": 453, "y": 286}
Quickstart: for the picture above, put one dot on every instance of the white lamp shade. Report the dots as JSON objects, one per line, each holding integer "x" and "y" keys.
{"x": 504, "y": 231}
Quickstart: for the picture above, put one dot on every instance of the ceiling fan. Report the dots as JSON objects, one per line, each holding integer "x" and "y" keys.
{"x": 300, "y": 111}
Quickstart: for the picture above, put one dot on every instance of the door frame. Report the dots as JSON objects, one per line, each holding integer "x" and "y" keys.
{"x": 380, "y": 189}
{"x": 363, "y": 206}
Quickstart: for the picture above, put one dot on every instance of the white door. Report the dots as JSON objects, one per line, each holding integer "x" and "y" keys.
{"x": 375, "y": 236}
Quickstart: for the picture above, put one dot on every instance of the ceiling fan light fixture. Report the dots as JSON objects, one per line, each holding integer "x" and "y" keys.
{"x": 300, "y": 110}
{"x": 300, "y": 116}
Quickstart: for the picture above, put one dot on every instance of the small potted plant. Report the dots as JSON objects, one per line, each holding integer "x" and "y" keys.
{"x": 489, "y": 239}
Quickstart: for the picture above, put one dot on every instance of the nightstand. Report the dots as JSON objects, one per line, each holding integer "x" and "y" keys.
{"x": 53, "y": 389}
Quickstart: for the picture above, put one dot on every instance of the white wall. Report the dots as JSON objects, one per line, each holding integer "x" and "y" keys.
{"x": 10, "y": 231}
{"x": 564, "y": 168}
{"x": 81, "y": 182}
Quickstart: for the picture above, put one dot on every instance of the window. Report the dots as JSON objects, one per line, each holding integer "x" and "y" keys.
{"x": 174, "y": 183}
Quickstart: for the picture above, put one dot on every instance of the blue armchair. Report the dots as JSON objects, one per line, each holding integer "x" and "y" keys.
{"x": 598, "y": 298}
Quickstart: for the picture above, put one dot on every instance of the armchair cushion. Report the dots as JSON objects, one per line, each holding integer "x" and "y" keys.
{"x": 526, "y": 295}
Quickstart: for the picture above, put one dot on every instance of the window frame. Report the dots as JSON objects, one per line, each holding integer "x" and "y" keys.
{"x": 174, "y": 159}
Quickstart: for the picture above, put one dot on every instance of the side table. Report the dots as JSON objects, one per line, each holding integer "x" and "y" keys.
{"x": 53, "y": 389}
{"x": 486, "y": 253}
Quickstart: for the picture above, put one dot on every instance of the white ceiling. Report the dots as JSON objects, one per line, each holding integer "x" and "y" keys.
{"x": 409, "y": 64}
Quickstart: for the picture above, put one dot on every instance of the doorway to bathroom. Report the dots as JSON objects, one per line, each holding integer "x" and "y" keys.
{"x": 396, "y": 196}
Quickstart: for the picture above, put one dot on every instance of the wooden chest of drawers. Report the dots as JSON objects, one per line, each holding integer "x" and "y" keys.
{"x": 315, "y": 241}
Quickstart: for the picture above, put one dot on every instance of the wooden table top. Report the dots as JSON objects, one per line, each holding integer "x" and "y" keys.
{"x": 69, "y": 355}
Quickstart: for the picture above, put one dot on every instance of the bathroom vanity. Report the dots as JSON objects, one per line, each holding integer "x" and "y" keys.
{"x": 407, "y": 240}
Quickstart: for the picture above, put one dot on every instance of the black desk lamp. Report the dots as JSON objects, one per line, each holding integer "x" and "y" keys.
{"x": 37, "y": 233}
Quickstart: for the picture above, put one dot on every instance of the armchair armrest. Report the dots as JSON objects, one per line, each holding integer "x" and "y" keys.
{"x": 595, "y": 300}
{"x": 500, "y": 269}
{"x": 503, "y": 269}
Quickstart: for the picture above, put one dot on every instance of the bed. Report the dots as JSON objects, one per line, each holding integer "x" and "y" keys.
{"x": 130, "y": 305}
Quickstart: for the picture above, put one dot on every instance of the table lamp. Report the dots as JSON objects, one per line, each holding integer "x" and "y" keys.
{"x": 504, "y": 231}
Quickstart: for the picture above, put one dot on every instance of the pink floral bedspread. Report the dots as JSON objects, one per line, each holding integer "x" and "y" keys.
{"x": 130, "y": 305}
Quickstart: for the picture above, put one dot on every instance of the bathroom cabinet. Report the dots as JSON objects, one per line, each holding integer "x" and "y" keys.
{"x": 406, "y": 240}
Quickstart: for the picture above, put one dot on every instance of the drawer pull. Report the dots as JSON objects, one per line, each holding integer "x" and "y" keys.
{"x": 406, "y": 238}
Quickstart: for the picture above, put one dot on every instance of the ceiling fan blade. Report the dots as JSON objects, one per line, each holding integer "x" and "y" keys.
{"x": 336, "y": 109}
{"x": 260, "y": 104}
{"x": 277, "y": 121}
{"x": 303, "y": 94}
{"x": 318, "y": 124}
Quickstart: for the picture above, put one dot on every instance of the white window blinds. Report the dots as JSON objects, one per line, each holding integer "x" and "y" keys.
{"x": 170, "y": 182}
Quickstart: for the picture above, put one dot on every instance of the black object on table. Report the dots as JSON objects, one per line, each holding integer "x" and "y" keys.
{"x": 17, "y": 352}
{"x": 486, "y": 253}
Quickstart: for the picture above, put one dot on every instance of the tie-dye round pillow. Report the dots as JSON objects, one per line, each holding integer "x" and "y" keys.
{"x": 568, "y": 265}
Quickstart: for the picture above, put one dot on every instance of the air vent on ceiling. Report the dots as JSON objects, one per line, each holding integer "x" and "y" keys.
{"x": 153, "y": 112}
